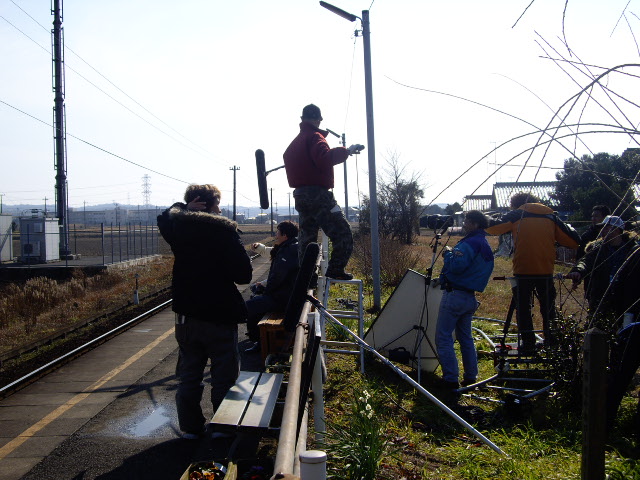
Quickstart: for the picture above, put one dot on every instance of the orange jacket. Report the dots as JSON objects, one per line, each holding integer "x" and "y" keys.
{"x": 535, "y": 229}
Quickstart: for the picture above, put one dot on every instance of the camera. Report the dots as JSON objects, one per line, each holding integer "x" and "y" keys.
{"x": 436, "y": 222}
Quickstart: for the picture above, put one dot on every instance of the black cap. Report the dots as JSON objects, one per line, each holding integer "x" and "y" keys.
{"x": 311, "y": 112}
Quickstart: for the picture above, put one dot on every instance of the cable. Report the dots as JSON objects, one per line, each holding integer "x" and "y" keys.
{"x": 353, "y": 56}
{"x": 208, "y": 155}
{"x": 95, "y": 146}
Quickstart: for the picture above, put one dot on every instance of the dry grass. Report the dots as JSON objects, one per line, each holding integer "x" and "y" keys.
{"x": 395, "y": 259}
{"x": 43, "y": 306}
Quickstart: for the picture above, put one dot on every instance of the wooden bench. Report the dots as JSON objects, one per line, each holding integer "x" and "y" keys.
{"x": 249, "y": 404}
{"x": 253, "y": 404}
{"x": 273, "y": 336}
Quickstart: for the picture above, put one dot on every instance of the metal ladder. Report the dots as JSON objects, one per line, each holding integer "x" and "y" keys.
{"x": 324, "y": 285}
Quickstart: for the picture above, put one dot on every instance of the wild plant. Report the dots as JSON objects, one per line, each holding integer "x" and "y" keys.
{"x": 357, "y": 447}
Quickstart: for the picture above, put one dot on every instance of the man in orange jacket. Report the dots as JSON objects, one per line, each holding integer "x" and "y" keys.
{"x": 535, "y": 229}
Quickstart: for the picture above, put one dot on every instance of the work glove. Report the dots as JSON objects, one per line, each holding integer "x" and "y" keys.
{"x": 355, "y": 149}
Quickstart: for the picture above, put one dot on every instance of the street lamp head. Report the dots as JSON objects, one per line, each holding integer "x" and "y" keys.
{"x": 339, "y": 11}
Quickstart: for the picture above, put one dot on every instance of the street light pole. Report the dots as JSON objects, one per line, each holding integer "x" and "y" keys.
{"x": 373, "y": 195}
{"x": 373, "y": 198}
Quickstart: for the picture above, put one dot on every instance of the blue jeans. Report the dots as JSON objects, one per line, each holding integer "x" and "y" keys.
{"x": 456, "y": 311}
{"x": 201, "y": 340}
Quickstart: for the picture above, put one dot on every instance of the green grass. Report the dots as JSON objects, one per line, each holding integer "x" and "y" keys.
{"x": 543, "y": 441}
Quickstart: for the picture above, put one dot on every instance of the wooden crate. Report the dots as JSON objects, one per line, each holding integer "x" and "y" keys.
{"x": 273, "y": 337}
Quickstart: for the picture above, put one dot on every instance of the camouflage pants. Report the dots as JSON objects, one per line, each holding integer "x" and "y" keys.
{"x": 318, "y": 209}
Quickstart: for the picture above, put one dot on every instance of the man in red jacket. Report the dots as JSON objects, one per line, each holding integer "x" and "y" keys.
{"x": 309, "y": 163}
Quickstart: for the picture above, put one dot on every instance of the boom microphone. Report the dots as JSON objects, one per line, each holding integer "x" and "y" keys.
{"x": 262, "y": 180}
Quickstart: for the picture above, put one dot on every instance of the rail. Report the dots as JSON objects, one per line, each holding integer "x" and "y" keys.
{"x": 37, "y": 373}
{"x": 293, "y": 439}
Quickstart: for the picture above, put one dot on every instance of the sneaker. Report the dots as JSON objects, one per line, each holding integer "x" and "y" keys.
{"x": 467, "y": 382}
{"x": 254, "y": 347}
{"x": 338, "y": 274}
{"x": 445, "y": 385}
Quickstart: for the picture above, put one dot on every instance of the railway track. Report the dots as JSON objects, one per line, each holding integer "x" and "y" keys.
{"x": 27, "y": 364}
{"x": 24, "y": 369}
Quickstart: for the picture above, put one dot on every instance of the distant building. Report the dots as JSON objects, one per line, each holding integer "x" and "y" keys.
{"x": 114, "y": 216}
{"x": 500, "y": 198}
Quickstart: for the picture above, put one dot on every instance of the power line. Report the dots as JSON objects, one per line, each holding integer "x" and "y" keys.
{"x": 208, "y": 154}
{"x": 95, "y": 146}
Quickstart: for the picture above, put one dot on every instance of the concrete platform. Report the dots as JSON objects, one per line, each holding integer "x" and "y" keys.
{"x": 109, "y": 414}
{"x": 63, "y": 269}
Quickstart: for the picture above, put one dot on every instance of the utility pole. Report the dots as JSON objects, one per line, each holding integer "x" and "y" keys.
{"x": 60, "y": 136}
{"x": 45, "y": 206}
{"x": 271, "y": 205}
{"x": 346, "y": 190}
{"x": 1, "y": 195}
{"x": 289, "y": 193}
{"x": 373, "y": 196}
{"x": 235, "y": 169}
{"x": 84, "y": 213}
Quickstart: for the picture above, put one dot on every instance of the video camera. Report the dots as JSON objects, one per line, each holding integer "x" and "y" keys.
{"x": 436, "y": 222}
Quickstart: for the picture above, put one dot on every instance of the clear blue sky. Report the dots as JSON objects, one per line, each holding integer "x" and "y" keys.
{"x": 191, "y": 88}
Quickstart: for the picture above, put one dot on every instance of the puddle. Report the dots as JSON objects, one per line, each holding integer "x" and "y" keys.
{"x": 154, "y": 420}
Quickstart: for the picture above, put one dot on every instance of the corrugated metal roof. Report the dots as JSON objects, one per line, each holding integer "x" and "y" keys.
{"x": 477, "y": 202}
{"x": 503, "y": 191}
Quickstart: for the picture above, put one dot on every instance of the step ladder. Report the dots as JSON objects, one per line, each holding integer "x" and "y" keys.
{"x": 324, "y": 288}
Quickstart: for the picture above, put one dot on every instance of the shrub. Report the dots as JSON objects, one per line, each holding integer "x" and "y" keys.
{"x": 395, "y": 259}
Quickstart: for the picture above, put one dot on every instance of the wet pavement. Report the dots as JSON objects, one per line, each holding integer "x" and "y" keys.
{"x": 110, "y": 414}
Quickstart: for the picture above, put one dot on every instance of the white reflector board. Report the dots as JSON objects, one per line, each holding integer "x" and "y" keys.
{"x": 408, "y": 320}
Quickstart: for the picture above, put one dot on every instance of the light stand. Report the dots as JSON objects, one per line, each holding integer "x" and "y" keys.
{"x": 323, "y": 311}
{"x": 416, "y": 354}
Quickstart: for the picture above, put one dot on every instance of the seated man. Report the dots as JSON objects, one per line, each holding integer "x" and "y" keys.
{"x": 273, "y": 295}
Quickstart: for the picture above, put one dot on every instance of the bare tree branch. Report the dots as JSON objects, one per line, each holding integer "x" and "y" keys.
{"x": 522, "y": 14}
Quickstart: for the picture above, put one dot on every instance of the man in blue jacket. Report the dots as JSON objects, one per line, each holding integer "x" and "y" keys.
{"x": 467, "y": 268}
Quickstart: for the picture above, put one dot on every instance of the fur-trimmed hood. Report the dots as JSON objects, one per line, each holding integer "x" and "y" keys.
{"x": 210, "y": 260}
{"x": 179, "y": 213}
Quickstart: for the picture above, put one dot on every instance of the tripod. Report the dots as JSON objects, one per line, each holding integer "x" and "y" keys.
{"x": 323, "y": 311}
{"x": 424, "y": 317}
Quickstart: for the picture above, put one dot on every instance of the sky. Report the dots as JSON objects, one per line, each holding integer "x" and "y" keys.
{"x": 185, "y": 91}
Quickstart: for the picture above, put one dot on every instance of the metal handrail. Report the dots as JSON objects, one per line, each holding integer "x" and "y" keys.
{"x": 288, "y": 440}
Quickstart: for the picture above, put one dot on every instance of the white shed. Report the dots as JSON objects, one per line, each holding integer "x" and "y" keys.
{"x": 6, "y": 239}
{"x": 39, "y": 240}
